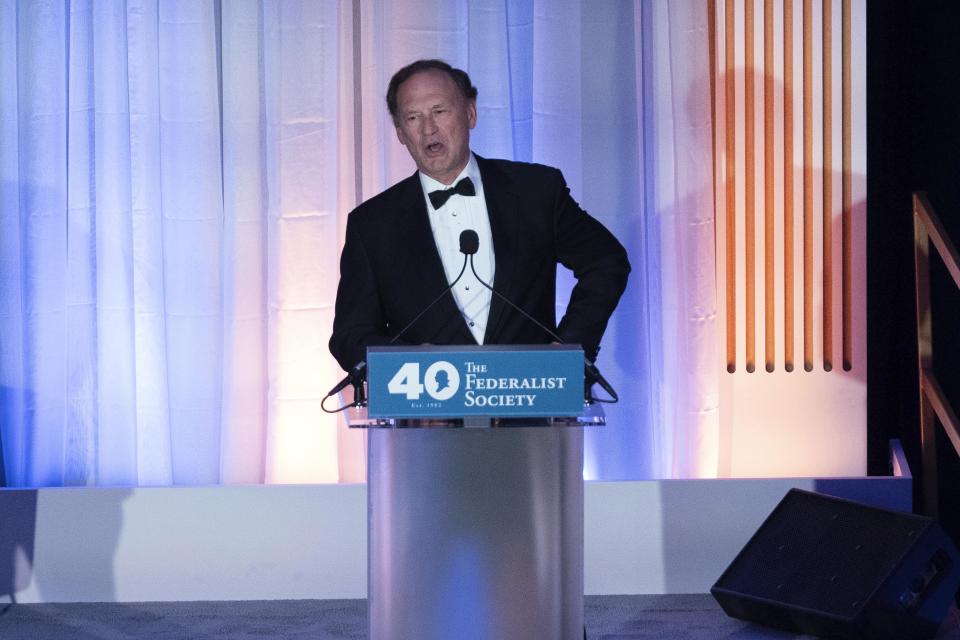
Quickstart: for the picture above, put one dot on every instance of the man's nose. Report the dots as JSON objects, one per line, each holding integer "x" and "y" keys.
{"x": 429, "y": 124}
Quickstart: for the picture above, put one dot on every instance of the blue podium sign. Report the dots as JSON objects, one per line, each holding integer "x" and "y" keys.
{"x": 455, "y": 381}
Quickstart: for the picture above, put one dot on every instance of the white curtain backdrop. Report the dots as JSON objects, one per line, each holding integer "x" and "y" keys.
{"x": 174, "y": 183}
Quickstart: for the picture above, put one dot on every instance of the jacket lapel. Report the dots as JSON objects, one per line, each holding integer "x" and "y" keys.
{"x": 501, "y": 208}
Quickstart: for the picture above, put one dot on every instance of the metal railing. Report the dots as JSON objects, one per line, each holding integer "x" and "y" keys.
{"x": 934, "y": 405}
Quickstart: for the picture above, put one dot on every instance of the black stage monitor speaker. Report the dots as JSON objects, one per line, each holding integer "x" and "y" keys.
{"x": 837, "y": 569}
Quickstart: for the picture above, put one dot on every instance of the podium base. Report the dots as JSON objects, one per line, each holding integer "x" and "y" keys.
{"x": 476, "y": 533}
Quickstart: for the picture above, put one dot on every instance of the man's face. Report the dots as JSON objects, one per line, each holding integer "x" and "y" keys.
{"x": 433, "y": 122}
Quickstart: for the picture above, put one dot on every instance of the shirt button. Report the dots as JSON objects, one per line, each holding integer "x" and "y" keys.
{"x": 467, "y": 288}
{"x": 471, "y": 324}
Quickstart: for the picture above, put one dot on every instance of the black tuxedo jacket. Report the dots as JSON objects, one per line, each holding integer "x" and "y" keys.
{"x": 390, "y": 269}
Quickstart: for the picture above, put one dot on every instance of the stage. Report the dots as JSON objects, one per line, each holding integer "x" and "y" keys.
{"x": 308, "y": 542}
{"x": 638, "y": 617}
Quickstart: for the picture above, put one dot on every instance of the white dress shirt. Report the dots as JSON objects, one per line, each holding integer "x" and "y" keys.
{"x": 456, "y": 215}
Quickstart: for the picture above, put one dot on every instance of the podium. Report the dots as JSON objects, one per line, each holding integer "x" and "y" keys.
{"x": 475, "y": 523}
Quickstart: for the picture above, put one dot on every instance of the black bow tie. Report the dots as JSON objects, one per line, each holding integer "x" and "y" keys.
{"x": 464, "y": 187}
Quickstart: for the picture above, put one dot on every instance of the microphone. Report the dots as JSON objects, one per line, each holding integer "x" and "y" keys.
{"x": 469, "y": 243}
{"x": 356, "y": 376}
{"x": 594, "y": 373}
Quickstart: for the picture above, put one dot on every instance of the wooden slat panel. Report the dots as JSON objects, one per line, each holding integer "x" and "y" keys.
{"x": 797, "y": 288}
{"x": 808, "y": 185}
{"x": 749, "y": 204}
{"x": 730, "y": 258}
{"x": 789, "y": 278}
{"x": 769, "y": 206}
{"x": 847, "y": 189}
{"x": 827, "y": 73}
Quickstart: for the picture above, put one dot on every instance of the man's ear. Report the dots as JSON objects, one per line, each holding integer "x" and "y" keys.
{"x": 472, "y": 113}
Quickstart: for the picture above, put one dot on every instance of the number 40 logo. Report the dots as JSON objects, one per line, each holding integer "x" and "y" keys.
{"x": 441, "y": 381}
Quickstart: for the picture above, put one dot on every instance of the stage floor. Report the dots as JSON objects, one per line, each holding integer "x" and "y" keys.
{"x": 654, "y": 617}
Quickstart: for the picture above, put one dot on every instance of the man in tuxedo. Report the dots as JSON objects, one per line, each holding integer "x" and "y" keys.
{"x": 402, "y": 246}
